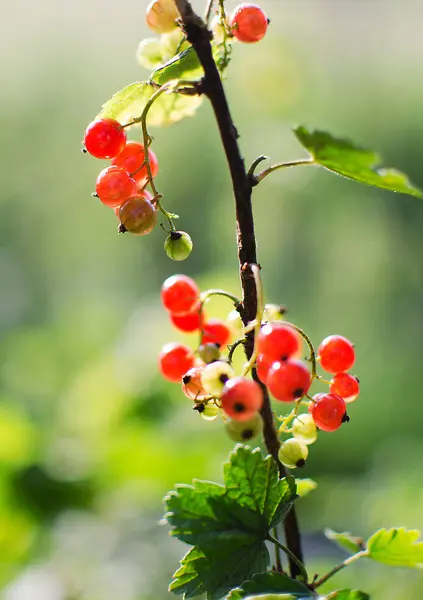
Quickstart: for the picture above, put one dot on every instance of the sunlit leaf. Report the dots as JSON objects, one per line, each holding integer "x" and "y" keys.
{"x": 345, "y": 158}
{"x": 270, "y": 583}
{"x": 185, "y": 65}
{"x": 347, "y": 595}
{"x": 305, "y": 486}
{"x": 345, "y": 540}
{"x": 397, "y": 547}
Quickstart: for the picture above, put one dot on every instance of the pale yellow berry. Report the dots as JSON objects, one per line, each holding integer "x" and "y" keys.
{"x": 293, "y": 453}
{"x": 161, "y": 15}
{"x": 304, "y": 428}
{"x": 214, "y": 377}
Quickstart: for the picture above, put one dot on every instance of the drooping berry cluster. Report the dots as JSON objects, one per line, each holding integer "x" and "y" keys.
{"x": 209, "y": 379}
{"x": 121, "y": 186}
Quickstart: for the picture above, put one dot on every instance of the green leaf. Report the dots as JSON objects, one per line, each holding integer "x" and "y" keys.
{"x": 347, "y": 595}
{"x": 129, "y": 103}
{"x": 397, "y": 547}
{"x": 270, "y": 583}
{"x": 305, "y": 486}
{"x": 346, "y": 540}
{"x": 184, "y": 65}
{"x": 345, "y": 158}
{"x": 228, "y": 524}
{"x": 272, "y": 597}
{"x": 215, "y": 571}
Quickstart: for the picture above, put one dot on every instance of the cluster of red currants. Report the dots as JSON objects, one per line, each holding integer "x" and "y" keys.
{"x": 121, "y": 186}
{"x": 209, "y": 379}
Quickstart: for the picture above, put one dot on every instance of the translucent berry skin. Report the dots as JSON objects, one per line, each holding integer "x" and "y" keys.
{"x": 104, "y": 138}
{"x": 288, "y": 380}
{"x": 188, "y": 322}
{"x": 263, "y": 365}
{"x": 132, "y": 160}
{"x": 137, "y": 215}
{"x": 273, "y": 312}
{"x": 243, "y": 431}
{"x": 304, "y": 428}
{"x": 293, "y": 453}
{"x": 191, "y": 384}
{"x": 143, "y": 194}
{"x": 178, "y": 245}
{"x": 336, "y": 354}
{"x": 210, "y": 411}
{"x": 161, "y": 15}
{"x": 328, "y": 411}
{"x": 215, "y": 376}
{"x": 346, "y": 386}
{"x": 235, "y": 324}
{"x": 180, "y": 294}
{"x": 278, "y": 342}
{"x": 241, "y": 398}
{"x": 216, "y": 332}
{"x": 248, "y": 23}
{"x": 209, "y": 352}
{"x": 175, "y": 360}
{"x": 114, "y": 185}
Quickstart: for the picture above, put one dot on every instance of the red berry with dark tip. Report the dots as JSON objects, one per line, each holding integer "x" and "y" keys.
{"x": 288, "y": 380}
{"x": 216, "y": 332}
{"x": 180, "y": 294}
{"x": 175, "y": 360}
{"x": 137, "y": 215}
{"x": 278, "y": 342}
{"x": 329, "y": 411}
{"x": 336, "y": 354}
{"x": 346, "y": 386}
{"x": 132, "y": 159}
{"x": 114, "y": 185}
{"x": 140, "y": 194}
{"x": 104, "y": 138}
{"x": 248, "y": 23}
{"x": 241, "y": 398}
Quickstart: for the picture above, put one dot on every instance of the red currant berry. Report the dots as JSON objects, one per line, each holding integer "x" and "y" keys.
{"x": 104, "y": 138}
{"x": 144, "y": 194}
{"x": 346, "y": 386}
{"x": 180, "y": 294}
{"x": 277, "y": 342}
{"x": 132, "y": 159}
{"x": 328, "y": 411}
{"x": 175, "y": 360}
{"x": 191, "y": 384}
{"x": 241, "y": 398}
{"x": 137, "y": 215}
{"x": 336, "y": 354}
{"x": 188, "y": 322}
{"x": 288, "y": 380}
{"x": 248, "y": 23}
{"x": 114, "y": 185}
{"x": 216, "y": 332}
{"x": 263, "y": 365}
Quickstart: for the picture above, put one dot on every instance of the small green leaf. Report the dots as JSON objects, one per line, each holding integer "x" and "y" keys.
{"x": 346, "y": 540}
{"x": 228, "y": 524}
{"x": 397, "y": 547}
{"x": 129, "y": 103}
{"x": 272, "y": 597}
{"x": 270, "y": 583}
{"x": 185, "y": 65}
{"x": 345, "y": 158}
{"x": 347, "y": 595}
{"x": 305, "y": 486}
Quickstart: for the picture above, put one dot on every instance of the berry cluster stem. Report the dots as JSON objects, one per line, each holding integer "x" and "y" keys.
{"x": 212, "y": 87}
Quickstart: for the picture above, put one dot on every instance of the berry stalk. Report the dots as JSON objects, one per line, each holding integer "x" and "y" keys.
{"x": 211, "y": 86}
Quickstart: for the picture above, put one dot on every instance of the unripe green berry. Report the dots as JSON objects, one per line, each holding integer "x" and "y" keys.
{"x": 234, "y": 322}
{"x": 149, "y": 53}
{"x": 209, "y": 352}
{"x": 178, "y": 245}
{"x": 293, "y": 453}
{"x": 209, "y": 411}
{"x": 273, "y": 312}
{"x": 215, "y": 375}
{"x": 243, "y": 431}
{"x": 304, "y": 428}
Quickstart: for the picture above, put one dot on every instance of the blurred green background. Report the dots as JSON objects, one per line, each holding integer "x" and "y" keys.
{"x": 90, "y": 437}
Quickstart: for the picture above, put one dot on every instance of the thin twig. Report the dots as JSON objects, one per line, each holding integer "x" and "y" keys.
{"x": 339, "y": 567}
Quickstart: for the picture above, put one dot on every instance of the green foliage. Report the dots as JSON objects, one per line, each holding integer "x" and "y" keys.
{"x": 129, "y": 103}
{"x": 270, "y": 583}
{"x": 228, "y": 524}
{"x": 345, "y": 158}
{"x": 396, "y": 547}
{"x": 305, "y": 486}
{"x": 347, "y": 595}
{"x": 185, "y": 65}
{"x": 345, "y": 540}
